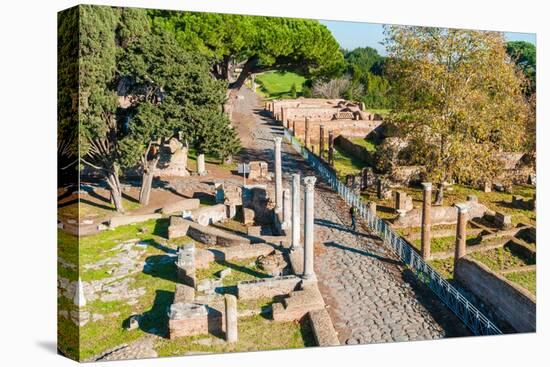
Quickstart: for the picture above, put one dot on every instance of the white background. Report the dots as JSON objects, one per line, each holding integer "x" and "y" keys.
{"x": 28, "y": 181}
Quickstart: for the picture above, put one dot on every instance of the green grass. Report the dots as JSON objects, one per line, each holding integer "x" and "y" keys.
{"x": 255, "y": 333}
{"x": 369, "y": 145}
{"x": 240, "y": 271}
{"x": 444, "y": 267}
{"x": 502, "y": 258}
{"x": 277, "y": 84}
{"x": 346, "y": 164}
{"x": 444, "y": 244}
{"x": 526, "y": 279}
{"x": 192, "y": 161}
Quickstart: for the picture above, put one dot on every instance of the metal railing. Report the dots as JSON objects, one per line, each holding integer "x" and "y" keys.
{"x": 478, "y": 323}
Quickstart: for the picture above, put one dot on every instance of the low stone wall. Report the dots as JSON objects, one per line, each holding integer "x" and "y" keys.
{"x": 299, "y": 303}
{"x": 511, "y": 302}
{"x": 213, "y": 236}
{"x": 132, "y": 219}
{"x": 179, "y": 206}
{"x": 267, "y": 287}
{"x": 439, "y": 215}
{"x": 323, "y": 331}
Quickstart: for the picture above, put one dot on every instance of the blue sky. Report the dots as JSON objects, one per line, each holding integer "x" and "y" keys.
{"x": 354, "y": 34}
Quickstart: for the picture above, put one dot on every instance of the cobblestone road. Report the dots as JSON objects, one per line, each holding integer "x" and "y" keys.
{"x": 371, "y": 297}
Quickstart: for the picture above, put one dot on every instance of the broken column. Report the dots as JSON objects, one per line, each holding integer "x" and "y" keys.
{"x": 296, "y": 211}
{"x": 286, "y": 208}
{"x": 309, "y": 199}
{"x": 231, "y": 331}
{"x": 460, "y": 246}
{"x": 201, "y": 168}
{"x": 306, "y": 134}
{"x": 426, "y": 219}
{"x": 321, "y": 140}
{"x": 330, "y": 148}
{"x": 278, "y": 176}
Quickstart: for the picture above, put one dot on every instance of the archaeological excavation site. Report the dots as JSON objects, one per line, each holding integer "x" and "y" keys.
{"x": 214, "y": 199}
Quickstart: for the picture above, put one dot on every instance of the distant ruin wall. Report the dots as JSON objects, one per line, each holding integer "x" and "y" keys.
{"x": 349, "y": 128}
{"x": 512, "y": 303}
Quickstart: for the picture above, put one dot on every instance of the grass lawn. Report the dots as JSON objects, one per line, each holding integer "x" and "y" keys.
{"x": 369, "y": 145}
{"x": 526, "y": 279}
{"x": 277, "y": 84}
{"x": 444, "y": 244}
{"x": 192, "y": 161}
{"x": 501, "y": 259}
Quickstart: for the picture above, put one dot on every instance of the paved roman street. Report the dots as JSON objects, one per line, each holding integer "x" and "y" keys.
{"x": 371, "y": 296}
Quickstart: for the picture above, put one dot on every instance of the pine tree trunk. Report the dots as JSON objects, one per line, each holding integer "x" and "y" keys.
{"x": 116, "y": 191}
{"x": 147, "y": 182}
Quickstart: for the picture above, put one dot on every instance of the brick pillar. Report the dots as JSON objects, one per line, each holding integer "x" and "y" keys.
{"x": 231, "y": 330}
{"x": 321, "y": 140}
{"x": 330, "y": 149}
{"x": 282, "y": 116}
{"x": 306, "y": 134}
{"x": 460, "y": 246}
{"x": 426, "y": 220}
{"x": 278, "y": 176}
{"x": 309, "y": 201}
{"x": 294, "y": 127}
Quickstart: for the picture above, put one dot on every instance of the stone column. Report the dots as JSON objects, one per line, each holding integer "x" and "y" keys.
{"x": 79, "y": 299}
{"x": 306, "y": 133}
{"x": 231, "y": 331}
{"x": 460, "y": 246}
{"x": 286, "y": 208}
{"x": 278, "y": 176}
{"x": 321, "y": 140}
{"x": 330, "y": 148}
{"x": 309, "y": 210}
{"x": 426, "y": 220}
{"x": 201, "y": 167}
{"x": 295, "y": 244}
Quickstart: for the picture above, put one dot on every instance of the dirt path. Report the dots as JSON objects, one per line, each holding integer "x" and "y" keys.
{"x": 371, "y": 297}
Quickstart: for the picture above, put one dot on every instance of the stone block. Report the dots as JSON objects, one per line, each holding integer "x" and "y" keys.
{"x": 210, "y": 214}
{"x": 180, "y": 206}
{"x": 299, "y": 303}
{"x": 503, "y": 220}
{"x": 258, "y": 171}
{"x": 186, "y": 319}
{"x": 323, "y": 330}
{"x": 254, "y": 231}
{"x": 184, "y": 293}
{"x": 248, "y": 216}
{"x": 267, "y": 287}
{"x": 185, "y": 265}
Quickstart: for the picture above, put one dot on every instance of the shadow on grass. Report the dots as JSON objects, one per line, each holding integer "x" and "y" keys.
{"x": 161, "y": 266}
{"x": 161, "y": 227}
{"x": 155, "y": 321}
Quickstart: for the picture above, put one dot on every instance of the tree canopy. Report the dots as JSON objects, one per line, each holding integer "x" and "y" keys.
{"x": 524, "y": 55}
{"x": 254, "y": 43}
{"x": 457, "y": 99}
